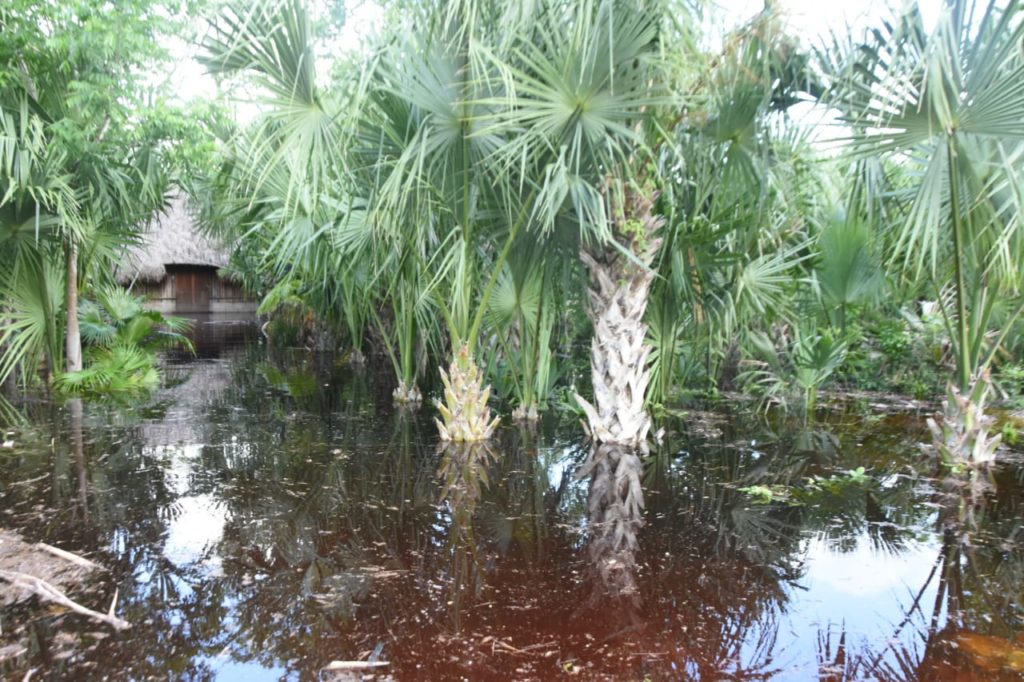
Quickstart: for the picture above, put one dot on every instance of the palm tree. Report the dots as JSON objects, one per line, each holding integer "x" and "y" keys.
{"x": 945, "y": 108}
{"x": 585, "y": 80}
{"x": 36, "y": 202}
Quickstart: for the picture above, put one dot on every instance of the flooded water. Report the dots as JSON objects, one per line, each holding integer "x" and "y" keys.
{"x": 269, "y": 513}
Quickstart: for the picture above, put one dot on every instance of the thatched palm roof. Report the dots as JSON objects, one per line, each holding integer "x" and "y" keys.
{"x": 172, "y": 238}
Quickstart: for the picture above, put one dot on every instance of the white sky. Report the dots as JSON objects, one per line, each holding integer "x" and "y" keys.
{"x": 812, "y": 20}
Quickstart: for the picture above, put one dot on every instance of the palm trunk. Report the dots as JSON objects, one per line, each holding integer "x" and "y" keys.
{"x": 407, "y": 394}
{"x": 73, "y": 347}
{"x": 526, "y": 414}
{"x": 618, "y": 301}
{"x": 465, "y": 416}
{"x": 963, "y": 435}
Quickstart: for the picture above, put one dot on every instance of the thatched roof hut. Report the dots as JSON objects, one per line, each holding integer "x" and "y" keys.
{"x": 172, "y": 238}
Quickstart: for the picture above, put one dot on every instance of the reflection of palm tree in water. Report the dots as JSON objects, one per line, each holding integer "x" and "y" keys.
{"x": 463, "y": 474}
{"x": 711, "y": 590}
{"x": 615, "y": 517}
{"x": 962, "y": 502}
{"x": 78, "y": 451}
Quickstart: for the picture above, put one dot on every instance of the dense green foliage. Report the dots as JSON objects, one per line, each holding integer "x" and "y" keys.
{"x": 435, "y": 188}
{"x": 88, "y": 151}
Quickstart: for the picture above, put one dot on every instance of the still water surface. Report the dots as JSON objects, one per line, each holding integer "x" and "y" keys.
{"x": 268, "y": 513}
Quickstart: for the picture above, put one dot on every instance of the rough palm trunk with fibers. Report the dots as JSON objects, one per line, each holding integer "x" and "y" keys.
{"x": 618, "y": 301}
{"x": 465, "y": 416}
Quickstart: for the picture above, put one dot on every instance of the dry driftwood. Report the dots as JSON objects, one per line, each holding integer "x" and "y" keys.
{"x": 51, "y": 593}
{"x": 68, "y": 556}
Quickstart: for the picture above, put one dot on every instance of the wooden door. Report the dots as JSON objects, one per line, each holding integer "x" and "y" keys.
{"x": 192, "y": 291}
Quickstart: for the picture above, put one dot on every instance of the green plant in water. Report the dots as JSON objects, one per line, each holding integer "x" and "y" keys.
{"x": 811, "y": 488}
{"x": 809, "y": 362}
{"x": 768, "y": 494}
{"x": 816, "y": 358}
{"x": 836, "y": 483}
{"x": 121, "y": 343}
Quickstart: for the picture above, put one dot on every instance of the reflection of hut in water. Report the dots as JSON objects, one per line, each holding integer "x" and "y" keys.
{"x": 177, "y": 267}
{"x": 202, "y": 384}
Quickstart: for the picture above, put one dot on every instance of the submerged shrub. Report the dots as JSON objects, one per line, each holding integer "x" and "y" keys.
{"x": 800, "y": 368}
{"x": 121, "y": 371}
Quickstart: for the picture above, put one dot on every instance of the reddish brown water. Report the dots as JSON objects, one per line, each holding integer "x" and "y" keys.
{"x": 264, "y": 517}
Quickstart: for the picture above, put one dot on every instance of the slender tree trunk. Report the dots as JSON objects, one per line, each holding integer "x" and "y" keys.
{"x": 73, "y": 347}
{"x": 618, "y": 301}
{"x": 10, "y": 384}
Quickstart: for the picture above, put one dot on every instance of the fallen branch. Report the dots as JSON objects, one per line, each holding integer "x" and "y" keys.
{"x": 30, "y": 481}
{"x": 497, "y": 643}
{"x": 68, "y": 556}
{"x": 51, "y": 593}
{"x": 353, "y": 665}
